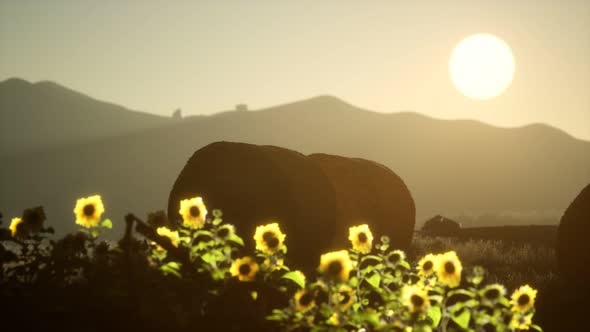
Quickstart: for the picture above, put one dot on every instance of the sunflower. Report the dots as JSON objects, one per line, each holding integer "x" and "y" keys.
{"x": 304, "y": 300}
{"x": 193, "y": 212}
{"x": 274, "y": 263}
{"x": 34, "y": 219}
{"x": 361, "y": 238}
{"x": 415, "y": 298}
{"x": 17, "y": 227}
{"x": 521, "y": 322}
{"x": 395, "y": 257}
{"x": 448, "y": 269}
{"x": 492, "y": 293}
{"x": 173, "y": 236}
{"x": 225, "y": 231}
{"x": 269, "y": 238}
{"x": 336, "y": 265}
{"x": 344, "y": 297}
{"x": 427, "y": 264}
{"x": 244, "y": 268}
{"x": 334, "y": 319}
{"x": 88, "y": 211}
{"x": 523, "y": 298}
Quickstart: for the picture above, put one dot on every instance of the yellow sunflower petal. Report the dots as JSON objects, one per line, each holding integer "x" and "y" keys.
{"x": 172, "y": 235}
{"x": 304, "y": 300}
{"x": 269, "y": 238}
{"x": 361, "y": 238}
{"x": 523, "y": 298}
{"x": 448, "y": 269}
{"x": 88, "y": 211}
{"x": 415, "y": 298}
{"x": 336, "y": 265}
{"x": 244, "y": 268}
{"x": 14, "y": 226}
{"x": 193, "y": 212}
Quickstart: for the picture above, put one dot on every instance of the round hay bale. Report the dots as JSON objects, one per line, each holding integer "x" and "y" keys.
{"x": 573, "y": 245}
{"x": 441, "y": 226}
{"x": 254, "y": 185}
{"x": 368, "y": 192}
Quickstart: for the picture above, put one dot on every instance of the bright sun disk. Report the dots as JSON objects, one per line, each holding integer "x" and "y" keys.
{"x": 482, "y": 66}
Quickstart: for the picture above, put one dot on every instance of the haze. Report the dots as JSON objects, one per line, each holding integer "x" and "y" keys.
{"x": 204, "y": 57}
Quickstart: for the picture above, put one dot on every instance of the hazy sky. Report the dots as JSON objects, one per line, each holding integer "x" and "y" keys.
{"x": 207, "y": 56}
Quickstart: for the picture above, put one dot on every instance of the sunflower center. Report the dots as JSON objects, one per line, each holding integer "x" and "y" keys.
{"x": 195, "y": 212}
{"x": 270, "y": 239}
{"x": 345, "y": 297}
{"x": 89, "y": 210}
{"x": 427, "y": 266}
{"x": 449, "y": 267}
{"x": 523, "y": 299}
{"x": 394, "y": 258}
{"x": 334, "y": 268}
{"x": 245, "y": 269}
{"x": 492, "y": 294}
{"x": 306, "y": 299}
{"x": 417, "y": 300}
{"x": 223, "y": 232}
{"x": 362, "y": 237}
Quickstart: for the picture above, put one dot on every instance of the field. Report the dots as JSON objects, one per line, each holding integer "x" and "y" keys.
{"x": 514, "y": 256}
{"x": 509, "y": 263}
{"x": 110, "y": 280}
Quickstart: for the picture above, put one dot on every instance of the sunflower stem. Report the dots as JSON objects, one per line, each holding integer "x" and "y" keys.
{"x": 359, "y": 280}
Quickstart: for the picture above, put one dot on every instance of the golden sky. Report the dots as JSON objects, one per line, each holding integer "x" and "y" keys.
{"x": 207, "y": 56}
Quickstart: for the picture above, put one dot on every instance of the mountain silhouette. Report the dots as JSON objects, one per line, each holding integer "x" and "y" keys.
{"x": 451, "y": 167}
{"x": 46, "y": 114}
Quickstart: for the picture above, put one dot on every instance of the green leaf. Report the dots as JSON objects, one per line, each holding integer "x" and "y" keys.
{"x": 462, "y": 292}
{"x": 372, "y": 319}
{"x": 504, "y": 301}
{"x": 435, "y": 314}
{"x": 462, "y": 319}
{"x": 405, "y": 265}
{"x": 107, "y": 223}
{"x": 536, "y": 327}
{"x": 254, "y": 295}
{"x": 202, "y": 233}
{"x": 353, "y": 282}
{"x": 295, "y": 276}
{"x": 174, "y": 265}
{"x": 371, "y": 257}
{"x": 374, "y": 280}
{"x": 168, "y": 270}
{"x": 217, "y": 221}
{"x": 171, "y": 268}
{"x": 208, "y": 258}
{"x": 236, "y": 239}
{"x": 95, "y": 233}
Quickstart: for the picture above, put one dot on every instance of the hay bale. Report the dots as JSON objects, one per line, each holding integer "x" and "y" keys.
{"x": 441, "y": 226}
{"x": 368, "y": 192}
{"x": 573, "y": 245}
{"x": 253, "y": 185}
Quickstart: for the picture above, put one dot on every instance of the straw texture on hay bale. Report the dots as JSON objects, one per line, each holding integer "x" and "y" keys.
{"x": 255, "y": 185}
{"x": 368, "y": 192}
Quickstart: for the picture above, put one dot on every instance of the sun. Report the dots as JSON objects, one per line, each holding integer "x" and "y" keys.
{"x": 482, "y": 66}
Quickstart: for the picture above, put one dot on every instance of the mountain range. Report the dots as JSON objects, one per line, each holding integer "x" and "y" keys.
{"x": 57, "y": 145}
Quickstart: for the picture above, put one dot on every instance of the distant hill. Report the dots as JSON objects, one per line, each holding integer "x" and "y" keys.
{"x": 450, "y": 166}
{"x": 46, "y": 114}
